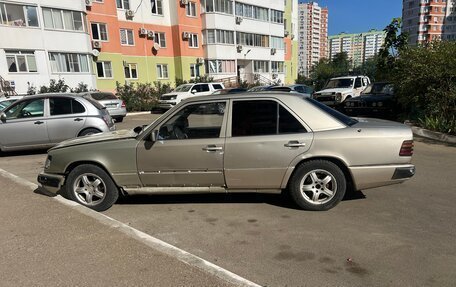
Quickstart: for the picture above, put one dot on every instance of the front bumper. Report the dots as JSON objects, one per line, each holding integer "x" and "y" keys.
{"x": 166, "y": 104}
{"x": 51, "y": 182}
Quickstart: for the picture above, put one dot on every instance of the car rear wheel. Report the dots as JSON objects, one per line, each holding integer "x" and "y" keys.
{"x": 119, "y": 120}
{"x": 318, "y": 185}
{"x": 91, "y": 186}
{"x": 89, "y": 131}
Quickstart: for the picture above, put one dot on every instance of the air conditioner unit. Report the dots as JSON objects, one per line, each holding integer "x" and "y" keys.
{"x": 88, "y": 3}
{"x": 275, "y": 76}
{"x": 96, "y": 44}
{"x": 125, "y": 63}
{"x": 184, "y": 2}
{"x": 239, "y": 48}
{"x": 199, "y": 60}
{"x": 185, "y": 35}
{"x": 142, "y": 32}
{"x": 273, "y": 51}
{"x": 151, "y": 35}
{"x": 239, "y": 19}
{"x": 129, "y": 14}
{"x": 286, "y": 33}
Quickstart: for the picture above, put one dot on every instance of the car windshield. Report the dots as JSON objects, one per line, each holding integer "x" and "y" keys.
{"x": 183, "y": 88}
{"x": 335, "y": 114}
{"x": 379, "y": 88}
{"x": 103, "y": 96}
{"x": 339, "y": 83}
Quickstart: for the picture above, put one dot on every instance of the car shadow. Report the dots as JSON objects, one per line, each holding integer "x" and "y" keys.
{"x": 42, "y": 191}
{"x": 23, "y": 153}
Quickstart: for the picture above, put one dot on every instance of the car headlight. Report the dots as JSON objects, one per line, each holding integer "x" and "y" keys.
{"x": 347, "y": 104}
{"x": 338, "y": 97}
{"x": 47, "y": 163}
{"x": 380, "y": 104}
{"x": 173, "y": 98}
{"x": 374, "y": 104}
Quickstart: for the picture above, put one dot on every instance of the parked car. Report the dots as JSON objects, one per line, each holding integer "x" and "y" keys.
{"x": 337, "y": 90}
{"x": 377, "y": 101}
{"x": 44, "y": 120}
{"x": 302, "y": 89}
{"x": 260, "y": 88}
{"x": 265, "y": 142}
{"x": 185, "y": 91}
{"x": 6, "y": 101}
{"x": 115, "y": 106}
{"x": 230, "y": 91}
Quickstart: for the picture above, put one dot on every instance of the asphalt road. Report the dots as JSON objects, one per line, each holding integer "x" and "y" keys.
{"x": 399, "y": 235}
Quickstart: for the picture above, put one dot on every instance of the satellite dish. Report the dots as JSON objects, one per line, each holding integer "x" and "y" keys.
{"x": 95, "y": 53}
{"x": 156, "y": 46}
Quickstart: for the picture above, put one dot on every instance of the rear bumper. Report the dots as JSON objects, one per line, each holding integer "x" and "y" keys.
{"x": 117, "y": 113}
{"x": 365, "y": 177}
{"x": 51, "y": 182}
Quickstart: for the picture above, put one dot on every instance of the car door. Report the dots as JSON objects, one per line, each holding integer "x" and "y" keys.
{"x": 66, "y": 118}
{"x": 263, "y": 139}
{"x": 25, "y": 124}
{"x": 189, "y": 149}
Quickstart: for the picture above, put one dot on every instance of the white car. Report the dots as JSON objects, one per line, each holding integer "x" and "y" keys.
{"x": 337, "y": 90}
{"x": 6, "y": 101}
{"x": 185, "y": 91}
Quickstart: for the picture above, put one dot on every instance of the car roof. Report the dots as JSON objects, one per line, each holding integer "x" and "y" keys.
{"x": 243, "y": 95}
{"x": 346, "y": 77}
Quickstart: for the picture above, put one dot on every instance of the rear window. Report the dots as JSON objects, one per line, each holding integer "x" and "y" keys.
{"x": 335, "y": 114}
{"x": 94, "y": 102}
{"x": 103, "y": 96}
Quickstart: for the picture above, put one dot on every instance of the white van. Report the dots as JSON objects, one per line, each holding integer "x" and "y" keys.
{"x": 169, "y": 100}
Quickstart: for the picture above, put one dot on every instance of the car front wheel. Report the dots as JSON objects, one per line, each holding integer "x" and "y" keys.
{"x": 318, "y": 185}
{"x": 91, "y": 186}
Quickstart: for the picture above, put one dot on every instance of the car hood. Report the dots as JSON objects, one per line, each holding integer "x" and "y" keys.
{"x": 375, "y": 97}
{"x": 335, "y": 90}
{"x": 94, "y": 138}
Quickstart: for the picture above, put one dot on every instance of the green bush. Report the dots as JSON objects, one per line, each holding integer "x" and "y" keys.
{"x": 141, "y": 96}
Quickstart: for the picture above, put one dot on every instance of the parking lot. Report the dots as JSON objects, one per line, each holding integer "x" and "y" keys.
{"x": 399, "y": 235}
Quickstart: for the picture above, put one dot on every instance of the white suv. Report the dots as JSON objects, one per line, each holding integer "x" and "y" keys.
{"x": 337, "y": 90}
{"x": 185, "y": 91}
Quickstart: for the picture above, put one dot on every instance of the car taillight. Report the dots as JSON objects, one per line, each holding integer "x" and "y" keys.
{"x": 406, "y": 148}
{"x": 123, "y": 104}
{"x": 108, "y": 120}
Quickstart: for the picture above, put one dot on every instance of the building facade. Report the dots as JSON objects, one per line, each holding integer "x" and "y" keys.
{"x": 313, "y": 36}
{"x": 359, "y": 47}
{"x": 429, "y": 20}
{"x": 42, "y": 40}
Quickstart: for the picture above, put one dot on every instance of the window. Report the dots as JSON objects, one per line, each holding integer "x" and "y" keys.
{"x": 261, "y": 66}
{"x": 193, "y": 41}
{"x": 157, "y": 7}
{"x": 160, "y": 38}
{"x": 277, "y": 67}
{"x": 220, "y": 66}
{"x": 256, "y": 118}
{"x": 194, "y": 71}
{"x": 63, "y": 19}
{"x": 64, "y": 106}
{"x": 162, "y": 71}
{"x": 26, "y": 109}
{"x": 277, "y": 42}
{"x": 277, "y": 16}
{"x": 123, "y": 4}
{"x": 249, "y": 39}
{"x": 99, "y": 31}
{"x": 127, "y": 37}
{"x": 223, "y": 6}
{"x": 104, "y": 70}
{"x": 197, "y": 121}
{"x": 250, "y": 11}
{"x": 69, "y": 62}
{"x": 191, "y": 9}
{"x": 131, "y": 71}
{"x": 21, "y": 61}
{"x": 18, "y": 15}
{"x": 219, "y": 36}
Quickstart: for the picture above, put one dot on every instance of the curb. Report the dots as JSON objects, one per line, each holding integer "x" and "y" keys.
{"x": 138, "y": 113}
{"x": 433, "y": 135}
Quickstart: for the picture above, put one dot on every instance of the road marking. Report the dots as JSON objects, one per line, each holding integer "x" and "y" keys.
{"x": 145, "y": 238}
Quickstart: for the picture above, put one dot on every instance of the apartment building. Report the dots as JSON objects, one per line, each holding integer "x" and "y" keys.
{"x": 429, "y": 20}
{"x": 160, "y": 40}
{"x": 313, "y": 35}
{"x": 359, "y": 47}
{"x": 42, "y": 40}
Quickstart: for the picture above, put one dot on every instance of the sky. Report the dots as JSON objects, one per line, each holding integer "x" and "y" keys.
{"x": 356, "y": 16}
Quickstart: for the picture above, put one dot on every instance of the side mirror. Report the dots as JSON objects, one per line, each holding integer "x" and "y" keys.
{"x": 3, "y": 117}
{"x": 154, "y": 136}
{"x": 194, "y": 91}
{"x": 138, "y": 129}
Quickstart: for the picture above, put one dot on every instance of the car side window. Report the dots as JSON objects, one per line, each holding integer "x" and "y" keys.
{"x": 197, "y": 121}
{"x": 64, "y": 106}
{"x": 201, "y": 88}
{"x": 217, "y": 87}
{"x": 358, "y": 83}
{"x": 300, "y": 89}
{"x": 26, "y": 109}
{"x": 256, "y": 118}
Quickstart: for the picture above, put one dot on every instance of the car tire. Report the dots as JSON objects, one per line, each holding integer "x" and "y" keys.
{"x": 119, "y": 120}
{"x": 317, "y": 185}
{"x": 89, "y": 131}
{"x": 91, "y": 186}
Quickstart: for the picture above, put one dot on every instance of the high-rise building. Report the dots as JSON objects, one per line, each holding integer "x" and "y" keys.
{"x": 313, "y": 35}
{"x": 359, "y": 47}
{"x": 44, "y": 40}
{"x": 429, "y": 20}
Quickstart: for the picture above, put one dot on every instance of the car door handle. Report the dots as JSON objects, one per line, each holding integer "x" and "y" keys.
{"x": 38, "y": 122}
{"x": 210, "y": 148}
{"x": 78, "y": 119}
{"x": 294, "y": 144}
